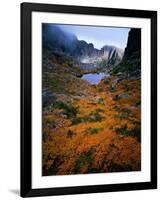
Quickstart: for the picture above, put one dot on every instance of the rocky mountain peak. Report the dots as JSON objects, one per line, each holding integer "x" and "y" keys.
{"x": 59, "y": 41}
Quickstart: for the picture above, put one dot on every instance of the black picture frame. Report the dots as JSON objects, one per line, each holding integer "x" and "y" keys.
{"x": 26, "y": 99}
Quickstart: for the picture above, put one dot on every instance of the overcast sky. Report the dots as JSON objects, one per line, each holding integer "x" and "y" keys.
{"x": 99, "y": 36}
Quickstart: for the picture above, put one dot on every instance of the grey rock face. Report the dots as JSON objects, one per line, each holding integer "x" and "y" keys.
{"x": 112, "y": 54}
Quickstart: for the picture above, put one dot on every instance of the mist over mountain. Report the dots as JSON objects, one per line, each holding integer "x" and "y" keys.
{"x": 65, "y": 43}
{"x": 57, "y": 40}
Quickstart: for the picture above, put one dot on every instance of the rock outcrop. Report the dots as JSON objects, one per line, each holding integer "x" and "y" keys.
{"x": 133, "y": 49}
{"x": 131, "y": 62}
{"x": 132, "y": 55}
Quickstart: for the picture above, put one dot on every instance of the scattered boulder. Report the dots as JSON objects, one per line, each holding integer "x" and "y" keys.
{"x": 124, "y": 95}
{"x": 100, "y": 100}
{"x": 120, "y": 96}
{"x": 48, "y": 98}
{"x": 114, "y": 82}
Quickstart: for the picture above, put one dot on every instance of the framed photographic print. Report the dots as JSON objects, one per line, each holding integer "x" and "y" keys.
{"x": 88, "y": 99}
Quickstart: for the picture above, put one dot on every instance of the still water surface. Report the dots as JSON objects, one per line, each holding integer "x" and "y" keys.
{"x": 94, "y": 78}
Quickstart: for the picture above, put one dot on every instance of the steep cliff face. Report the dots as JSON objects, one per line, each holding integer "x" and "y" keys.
{"x": 131, "y": 62}
{"x": 112, "y": 54}
{"x": 133, "y": 49}
{"x": 132, "y": 53}
{"x": 65, "y": 43}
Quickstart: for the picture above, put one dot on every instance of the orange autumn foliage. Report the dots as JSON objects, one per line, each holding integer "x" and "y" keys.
{"x": 104, "y": 137}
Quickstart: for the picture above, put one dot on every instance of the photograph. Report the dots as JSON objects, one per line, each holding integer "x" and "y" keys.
{"x": 88, "y": 99}
{"x": 91, "y": 99}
